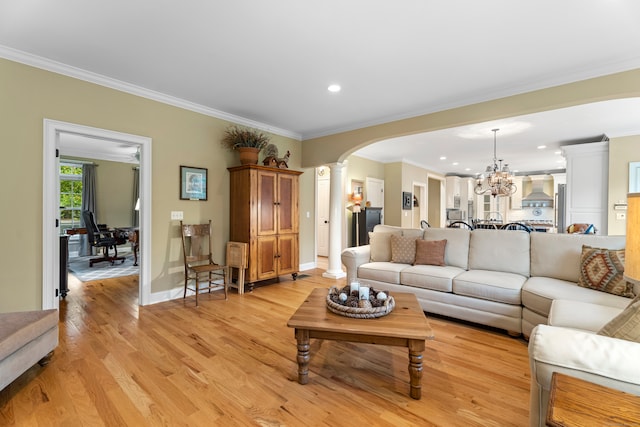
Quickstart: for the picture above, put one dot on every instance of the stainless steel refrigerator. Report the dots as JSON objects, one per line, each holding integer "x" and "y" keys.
{"x": 561, "y": 212}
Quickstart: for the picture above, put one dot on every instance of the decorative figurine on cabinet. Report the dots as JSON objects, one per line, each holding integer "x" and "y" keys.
{"x": 272, "y": 158}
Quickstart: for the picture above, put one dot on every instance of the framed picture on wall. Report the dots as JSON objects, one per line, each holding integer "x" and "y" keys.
{"x": 407, "y": 200}
{"x": 193, "y": 183}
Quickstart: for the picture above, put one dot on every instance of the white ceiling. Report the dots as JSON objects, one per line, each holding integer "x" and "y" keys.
{"x": 269, "y": 63}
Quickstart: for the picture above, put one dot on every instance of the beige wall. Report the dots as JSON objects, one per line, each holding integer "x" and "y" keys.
{"x": 434, "y": 202}
{"x": 621, "y": 152}
{"x": 180, "y": 137}
{"x": 114, "y": 192}
{"x": 412, "y": 174}
{"x": 393, "y": 194}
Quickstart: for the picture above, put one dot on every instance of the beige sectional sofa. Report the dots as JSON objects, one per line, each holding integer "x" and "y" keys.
{"x": 504, "y": 279}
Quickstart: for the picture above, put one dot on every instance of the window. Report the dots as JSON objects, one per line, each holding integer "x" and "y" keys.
{"x": 70, "y": 195}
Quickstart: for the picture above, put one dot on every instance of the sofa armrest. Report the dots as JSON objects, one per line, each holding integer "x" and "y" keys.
{"x": 598, "y": 359}
{"x": 354, "y": 257}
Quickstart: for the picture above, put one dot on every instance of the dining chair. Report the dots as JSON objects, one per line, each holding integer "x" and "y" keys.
{"x": 199, "y": 266}
{"x": 460, "y": 224}
{"x": 516, "y": 226}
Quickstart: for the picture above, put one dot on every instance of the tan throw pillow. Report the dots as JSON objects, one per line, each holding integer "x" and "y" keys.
{"x": 625, "y": 325}
{"x": 403, "y": 249}
{"x": 602, "y": 269}
{"x": 380, "y": 246}
{"x": 430, "y": 252}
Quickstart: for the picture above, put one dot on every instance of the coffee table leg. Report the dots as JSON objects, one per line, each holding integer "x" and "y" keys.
{"x": 302, "y": 336}
{"x": 416, "y": 347}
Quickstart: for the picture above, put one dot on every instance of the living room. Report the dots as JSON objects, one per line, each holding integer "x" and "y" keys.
{"x": 183, "y": 134}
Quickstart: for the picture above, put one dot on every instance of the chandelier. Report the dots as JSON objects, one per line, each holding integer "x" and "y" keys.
{"x": 498, "y": 179}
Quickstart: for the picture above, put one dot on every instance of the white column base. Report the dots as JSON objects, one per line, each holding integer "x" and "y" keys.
{"x": 331, "y": 274}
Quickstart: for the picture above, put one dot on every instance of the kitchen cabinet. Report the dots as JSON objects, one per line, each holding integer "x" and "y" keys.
{"x": 516, "y": 198}
{"x": 264, "y": 214}
{"x": 587, "y": 188}
{"x": 452, "y": 184}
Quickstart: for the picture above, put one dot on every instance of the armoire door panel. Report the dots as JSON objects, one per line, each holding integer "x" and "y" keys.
{"x": 287, "y": 204}
{"x": 288, "y": 254}
{"x": 267, "y": 257}
{"x": 267, "y": 207}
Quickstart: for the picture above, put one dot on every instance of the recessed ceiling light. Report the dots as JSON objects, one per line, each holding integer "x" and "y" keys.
{"x": 467, "y": 169}
{"x": 557, "y": 152}
{"x": 541, "y": 147}
{"x": 455, "y": 163}
{"x": 443, "y": 157}
{"x": 334, "y": 88}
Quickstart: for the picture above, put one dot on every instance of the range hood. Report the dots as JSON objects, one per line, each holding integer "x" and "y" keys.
{"x": 537, "y": 197}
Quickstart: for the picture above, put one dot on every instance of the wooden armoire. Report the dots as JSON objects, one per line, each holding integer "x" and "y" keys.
{"x": 264, "y": 214}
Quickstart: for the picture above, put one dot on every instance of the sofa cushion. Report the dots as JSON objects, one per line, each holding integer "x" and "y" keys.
{"x": 403, "y": 249}
{"x": 539, "y": 292}
{"x": 602, "y": 269}
{"x": 625, "y": 326}
{"x": 456, "y": 252}
{"x": 558, "y": 255}
{"x": 381, "y": 271}
{"x": 430, "y": 252}
{"x": 19, "y": 328}
{"x": 430, "y": 277}
{"x": 416, "y": 233}
{"x": 499, "y": 251}
{"x": 580, "y": 315}
{"x": 490, "y": 285}
{"x": 380, "y": 244}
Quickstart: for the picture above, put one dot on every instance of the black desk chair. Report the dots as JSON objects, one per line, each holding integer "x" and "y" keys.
{"x": 101, "y": 239}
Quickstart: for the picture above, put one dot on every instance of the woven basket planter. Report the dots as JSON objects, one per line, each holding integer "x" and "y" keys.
{"x": 334, "y": 305}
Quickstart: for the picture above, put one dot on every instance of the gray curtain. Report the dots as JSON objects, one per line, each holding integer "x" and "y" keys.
{"x": 135, "y": 215}
{"x": 88, "y": 203}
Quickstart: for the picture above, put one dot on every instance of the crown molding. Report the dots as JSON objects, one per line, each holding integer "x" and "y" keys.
{"x": 88, "y": 76}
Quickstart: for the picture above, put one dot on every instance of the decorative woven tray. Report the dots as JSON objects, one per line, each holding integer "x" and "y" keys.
{"x": 377, "y": 308}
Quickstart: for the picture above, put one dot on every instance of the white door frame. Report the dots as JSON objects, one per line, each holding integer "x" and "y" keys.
{"x": 422, "y": 208}
{"x": 51, "y": 205}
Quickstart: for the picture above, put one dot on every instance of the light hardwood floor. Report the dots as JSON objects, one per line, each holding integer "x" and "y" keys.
{"x": 233, "y": 363}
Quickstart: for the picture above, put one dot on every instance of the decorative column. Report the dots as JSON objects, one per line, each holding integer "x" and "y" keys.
{"x": 336, "y": 213}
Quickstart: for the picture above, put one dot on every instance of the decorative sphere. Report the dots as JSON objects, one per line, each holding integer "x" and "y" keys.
{"x": 343, "y": 297}
{"x": 381, "y": 296}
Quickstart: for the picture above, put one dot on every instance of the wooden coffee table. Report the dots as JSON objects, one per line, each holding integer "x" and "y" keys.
{"x": 405, "y": 326}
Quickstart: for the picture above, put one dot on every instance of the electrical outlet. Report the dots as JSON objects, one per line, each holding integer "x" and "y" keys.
{"x": 621, "y": 215}
{"x": 176, "y": 215}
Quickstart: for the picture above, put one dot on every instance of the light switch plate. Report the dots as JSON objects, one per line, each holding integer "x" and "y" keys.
{"x": 176, "y": 215}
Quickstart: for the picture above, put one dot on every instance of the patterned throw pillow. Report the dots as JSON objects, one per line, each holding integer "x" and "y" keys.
{"x": 380, "y": 246}
{"x": 430, "y": 252}
{"x": 602, "y": 269}
{"x": 403, "y": 249}
{"x": 625, "y": 326}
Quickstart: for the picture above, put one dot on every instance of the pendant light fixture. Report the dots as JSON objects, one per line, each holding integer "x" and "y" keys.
{"x": 497, "y": 179}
